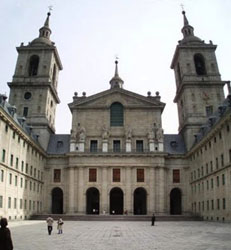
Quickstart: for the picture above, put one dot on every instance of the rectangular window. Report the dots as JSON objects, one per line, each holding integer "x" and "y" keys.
{"x": 209, "y": 110}
{"x": 207, "y": 182}
{"x": 6, "y": 128}
{"x": 25, "y": 204}
{"x": 11, "y": 160}
{"x": 10, "y": 178}
{"x": 26, "y": 184}
{"x": 29, "y": 204}
{"x": 222, "y": 160}
{"x": 27, "y": 168}
{"x": 212, "y": 204}
{"x": 212, "y": 183}
{"x": 25, "y": 111}
{"x": 35, "y": 172}
{"x": 140, "y": 175}
{"x": 207, "y": 205}
{"x": 218, "y": 204}
{"x": 217, "y": 181}
{"x": 3, "y": 155}
{"x": 223, "y": 203}
{"x": 57, "y": 175}
{"x": 93, "y": 146}
{"x": 16, "y": 180}
{"x": 9, "y": 202}
{"x": 20, "y": 204}
{"x": 116, "y": 146}
{"x": 176, "y": 175}
{"x": 207, "y": 168}
{"x": 223, "y": 179}
{"x": 2, "y": 175}
{"x": 16, "y": 164}
{"x": 139, "y": 146}
{"x": 15, "y": 203}
{"x": 217, "y": 164}
{"x": 1, "y": 201}
{"x": 92, "y": 175}
{"x": 30, "y": 185}
{"x": 31, "y": 170}
{"x": 116, "y": 175}
{"x": 22, "y": 166}
{"x": 211, "y": 166}
{"x": 21, "y": 182}
{"x": 14, "y": 134}
{"x": 230, "y": 155}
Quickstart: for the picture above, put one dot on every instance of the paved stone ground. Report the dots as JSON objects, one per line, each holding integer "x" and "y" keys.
{"x": 118, "y": 235}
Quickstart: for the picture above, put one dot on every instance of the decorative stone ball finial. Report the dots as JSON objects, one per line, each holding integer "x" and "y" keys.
{"x": 84, "y": 94}
{"x": 149, "y": 93}
{"x": 75, "y": 94}
{"x": 157, "y": 93}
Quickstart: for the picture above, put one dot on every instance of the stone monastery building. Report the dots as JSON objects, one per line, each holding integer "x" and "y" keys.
{"x": 117, "y": 159}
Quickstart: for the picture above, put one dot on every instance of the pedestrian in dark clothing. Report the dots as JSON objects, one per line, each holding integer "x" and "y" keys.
{"x": 5, "y": 236}
{"x": 153, "y": 219}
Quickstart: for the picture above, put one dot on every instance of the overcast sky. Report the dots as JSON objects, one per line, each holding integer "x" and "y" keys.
{"x": 90, "y": 33}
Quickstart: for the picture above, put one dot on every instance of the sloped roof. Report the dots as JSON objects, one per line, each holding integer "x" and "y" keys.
{"x": 174, "y": 144}
{"x": 59, "y": 144}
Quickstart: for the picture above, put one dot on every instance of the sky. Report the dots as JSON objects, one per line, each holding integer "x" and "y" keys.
{"x": 90, "y": 34}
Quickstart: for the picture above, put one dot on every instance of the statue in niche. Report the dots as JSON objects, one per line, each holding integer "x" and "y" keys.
{"x": 105, "y": 133}
{"x": 160, "y": 135}
{"x": 151, "y": 134}
{"x": 128, "y": 134}
{"x": 82, "y": 134}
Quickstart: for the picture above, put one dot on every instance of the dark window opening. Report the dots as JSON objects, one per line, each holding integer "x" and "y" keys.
{"x": 140, "y": 175}
{"x": 93, "y": 146}
{"x": 139, "y": 146}
{"x": 25, "y": 111}
{"x": 199, "y": 64}
{"x": 33, "y": 66}
{"x": 92, "y": 175}
{"x": 117, "y": 114}
{"x": 176, "y": 176}
{"x": 57, "y": 175}
{"x": 116, "y": 175}
{"x": 116, "y": 146}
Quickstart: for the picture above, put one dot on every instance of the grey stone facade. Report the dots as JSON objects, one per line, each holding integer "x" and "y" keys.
{"x": 117, "y": 158}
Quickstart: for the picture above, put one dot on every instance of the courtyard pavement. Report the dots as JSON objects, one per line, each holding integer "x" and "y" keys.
{"x": 120, "y": 235}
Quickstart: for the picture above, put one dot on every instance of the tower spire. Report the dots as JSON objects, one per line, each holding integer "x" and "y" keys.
{"x": 45, "y": 31}
{"x": 116, "y": 81}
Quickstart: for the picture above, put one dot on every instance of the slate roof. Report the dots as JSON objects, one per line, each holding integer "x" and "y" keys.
{"x": 59, "y": 144}
{"x": 174, "y": 144}
{"x": 21, "y": 121}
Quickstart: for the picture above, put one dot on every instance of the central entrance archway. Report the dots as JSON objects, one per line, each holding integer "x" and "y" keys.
{"x": 57, "y": 201}
{"x": 92, "y": 201}
{"x": 140, "y": 201}
{"x": 175, "y": 201}
{"x": 116, "y": 201}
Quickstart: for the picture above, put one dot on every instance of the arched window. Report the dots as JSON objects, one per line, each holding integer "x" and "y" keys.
{"x": 117, "y": 114}
{"x": 33, "y": 66}
{"x": 199, "y": 64}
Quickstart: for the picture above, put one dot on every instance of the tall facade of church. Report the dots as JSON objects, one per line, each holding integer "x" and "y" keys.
{"x": 117, "y": 158}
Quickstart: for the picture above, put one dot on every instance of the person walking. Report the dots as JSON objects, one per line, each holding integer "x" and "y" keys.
{"x": 49, "y": 224}
{"x": 153, "y": 219}
{"x": 5, "y": 236}
{"x": 60, "y": 226}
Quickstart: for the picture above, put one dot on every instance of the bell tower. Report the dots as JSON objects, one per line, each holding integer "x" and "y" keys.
{"x": 33, "y": 89}
{"x": 199, "y": 88}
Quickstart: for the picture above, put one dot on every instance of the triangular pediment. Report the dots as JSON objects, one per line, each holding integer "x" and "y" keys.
{"x": 126, "y": 98}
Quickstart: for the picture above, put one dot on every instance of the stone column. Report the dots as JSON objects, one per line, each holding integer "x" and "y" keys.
{"x": 161, "y": 191}
{"x": 128, "y": 188}
{"x": 71, "y": 191}
{"x": 81, "y": 202}
{"x": 104, "y": 206}
{"x": 152, "y": 190}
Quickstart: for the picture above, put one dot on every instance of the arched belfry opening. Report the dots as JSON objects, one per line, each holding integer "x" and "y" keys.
{"x": 57, "y": 201}
{"x": 33, "y": 65}
{"x": 116, "y": 201}
{"x": 92, "y": 201}
{"x": 199, "y": 62}
{"x": 175, "y": 201}
{"x": 140, "y": 201}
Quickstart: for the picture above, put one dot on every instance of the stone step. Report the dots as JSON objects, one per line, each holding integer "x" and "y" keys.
{"x": 116, "y": 217}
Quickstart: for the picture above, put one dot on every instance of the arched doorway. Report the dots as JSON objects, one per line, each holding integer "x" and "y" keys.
{"x": 140, "y": 201}
{"x": 92, "y": 201}
{"x": 175, "y": 201}
{"x": 116, "y": 201}
{"x": 57, "y": 201}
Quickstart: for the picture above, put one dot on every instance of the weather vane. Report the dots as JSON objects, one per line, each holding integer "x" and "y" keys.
{"x": 50, "y": 8}
{"x": 182, "y": 7}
